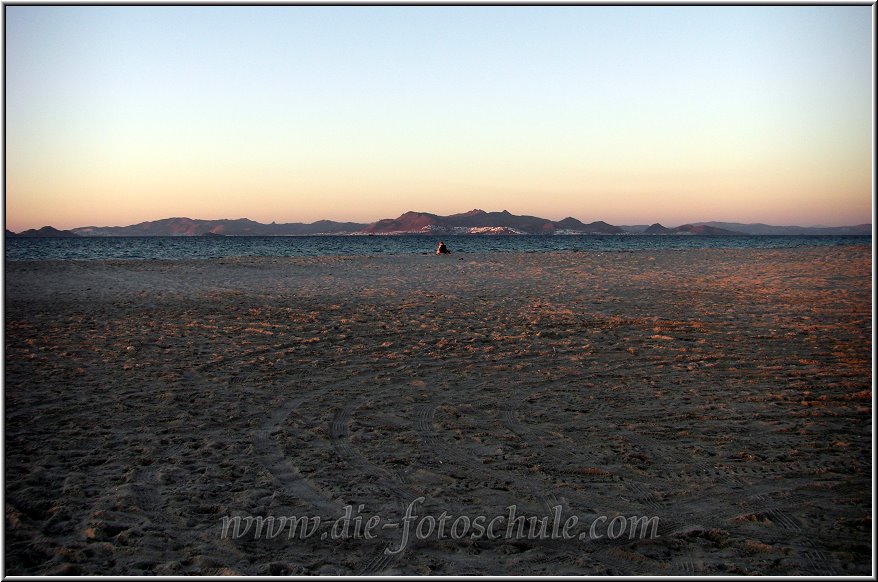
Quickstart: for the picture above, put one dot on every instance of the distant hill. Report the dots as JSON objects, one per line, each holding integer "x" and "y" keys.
{"x": 758, "y": 228}
{"x": 481, "y": 222}
{"x": 684, "y": 229}
{"x": 634, "y": 228}
{"x": 658, "y": 229}
{"x": 407, "y": 222}
{"x": 767, "y": 229}
{"x": 45, "y": 232}
{"x": 597, "y": 227}
{"x": 704, "y": 229}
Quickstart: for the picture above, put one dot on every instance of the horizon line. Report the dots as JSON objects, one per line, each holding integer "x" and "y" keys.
{"x": 621, "y": 224}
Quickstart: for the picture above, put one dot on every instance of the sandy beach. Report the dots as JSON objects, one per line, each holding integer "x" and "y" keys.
{"x": 726, "y": 392}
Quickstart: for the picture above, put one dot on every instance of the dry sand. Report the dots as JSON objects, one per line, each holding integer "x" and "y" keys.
{"x": 727, "y": 392}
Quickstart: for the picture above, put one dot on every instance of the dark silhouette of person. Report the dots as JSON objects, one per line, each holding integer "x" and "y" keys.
{"x": 442, "y": 250}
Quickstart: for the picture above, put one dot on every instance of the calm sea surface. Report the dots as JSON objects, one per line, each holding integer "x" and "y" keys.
{"x": 20, "y": 249}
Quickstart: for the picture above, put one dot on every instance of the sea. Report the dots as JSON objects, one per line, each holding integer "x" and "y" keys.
{"x": 211, "y": 247}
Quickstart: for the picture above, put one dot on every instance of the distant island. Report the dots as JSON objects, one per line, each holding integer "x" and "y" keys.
{"x": 46, "y": 231}
{"x": 475, "y": 222}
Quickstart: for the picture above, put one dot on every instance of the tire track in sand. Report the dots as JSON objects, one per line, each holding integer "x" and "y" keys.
{"x": 444, "y": 453}
{"x": 286, "y": 476}
{"x": 290, "y": 479}
{"x": 639, "y": 494}
{"x": 392, "y": 481}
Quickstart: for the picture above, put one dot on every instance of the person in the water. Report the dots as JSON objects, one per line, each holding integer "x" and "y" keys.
{"x": 442, "y": 250}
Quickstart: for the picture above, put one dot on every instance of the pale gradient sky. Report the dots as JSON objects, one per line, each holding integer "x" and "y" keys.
{"x": 632, "y": 115}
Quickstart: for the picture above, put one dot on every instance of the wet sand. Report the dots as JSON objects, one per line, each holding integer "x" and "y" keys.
{"x": 727, "y": 392}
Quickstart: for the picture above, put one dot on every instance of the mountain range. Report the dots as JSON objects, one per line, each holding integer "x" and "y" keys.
{"x": 229, "y": 227}
{"x": 759, "y": 229}
{"x": 701, "y": 229}
{"x": 481, "y": 222}
{"x": 474, "y": 222}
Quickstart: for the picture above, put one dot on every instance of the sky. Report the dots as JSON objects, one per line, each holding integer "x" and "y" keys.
{"x": 631, "y": 115}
